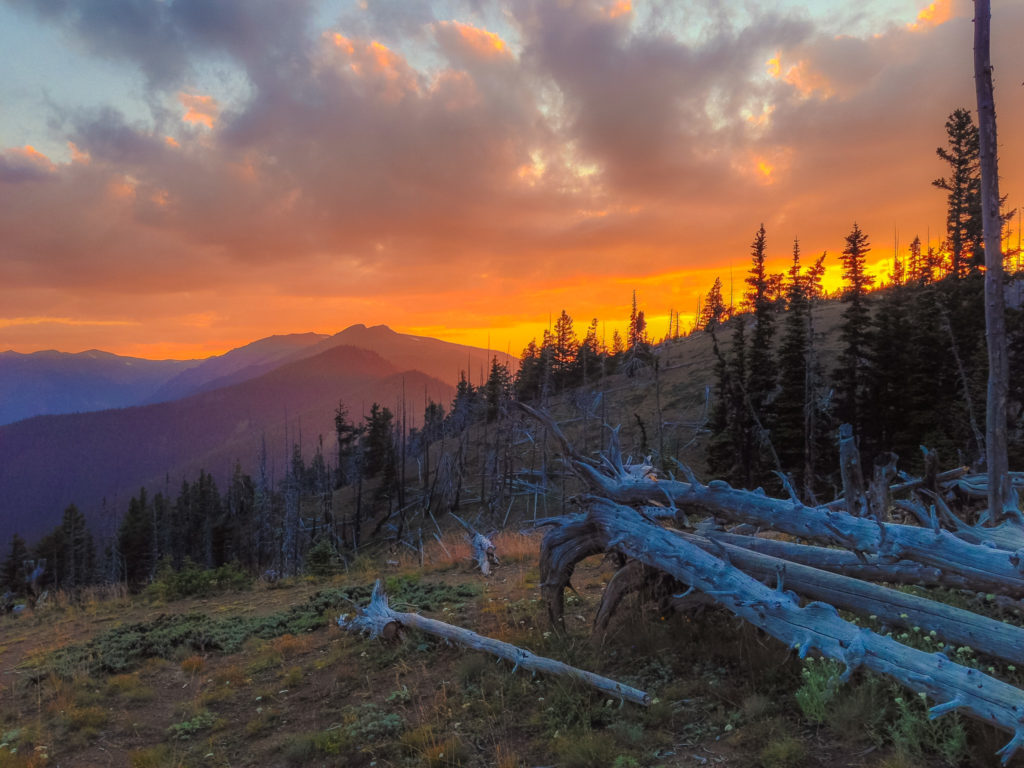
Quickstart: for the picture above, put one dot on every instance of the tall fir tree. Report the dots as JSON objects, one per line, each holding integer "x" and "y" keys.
{"x": 851, "y": 373}
{"x": 795, "y": 398}
{"x": 565, "y": 347}
{"x": 761, "y": 373}
{"x": 963, "y": 188}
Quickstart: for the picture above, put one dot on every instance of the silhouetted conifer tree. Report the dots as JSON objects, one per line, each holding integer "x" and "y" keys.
{"x": 851, "y": 373}
{"x": 963, "y": 201}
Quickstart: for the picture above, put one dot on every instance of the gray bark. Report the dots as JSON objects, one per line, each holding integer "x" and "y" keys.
{"x": 378, "y": 619}
{"x": 816, "y": 626}
{"x": 1001, "y": 502}
{"x": 985, "y": 568}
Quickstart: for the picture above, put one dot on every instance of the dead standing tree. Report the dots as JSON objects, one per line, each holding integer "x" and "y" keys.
{"x": 1001, "y": 499}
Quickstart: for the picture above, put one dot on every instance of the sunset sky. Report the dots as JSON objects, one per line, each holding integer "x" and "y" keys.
{"x": 179, "y": 177}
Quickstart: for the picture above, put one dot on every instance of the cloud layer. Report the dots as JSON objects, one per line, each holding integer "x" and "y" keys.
{"x": 472, "y": 171}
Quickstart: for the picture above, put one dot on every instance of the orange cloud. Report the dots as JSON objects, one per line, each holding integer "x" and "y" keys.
{"x": 935, "y": 14}
{"x": 378, "y": 66}
{"x": 807, "y": 81}
{"x": 123, "y": 188}
{"x": 619, "y": 9}
{"x": 199, "y": 108}
{"x": 31, "y": 157}
{"x": 481, "y": 42}
{"x": 77, "y": 155}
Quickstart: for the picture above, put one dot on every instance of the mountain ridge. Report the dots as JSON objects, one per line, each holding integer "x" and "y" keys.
{"x": 49, "y": 462}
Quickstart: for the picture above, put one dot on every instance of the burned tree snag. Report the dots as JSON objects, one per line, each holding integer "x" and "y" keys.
{"x": 1001, "y": 500}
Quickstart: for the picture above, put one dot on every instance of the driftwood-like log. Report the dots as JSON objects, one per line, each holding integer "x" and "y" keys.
{"x": 607, "y": 526}
{"x": 985, "y": 568}
{"x": 892, "y": 607}
{"x": 378, "y": 617}
{"x": 842, "y": 561}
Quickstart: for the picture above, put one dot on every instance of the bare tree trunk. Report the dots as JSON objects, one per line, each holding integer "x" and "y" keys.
{"x": 999, "y": 495}
{"x": 378, "y": 618}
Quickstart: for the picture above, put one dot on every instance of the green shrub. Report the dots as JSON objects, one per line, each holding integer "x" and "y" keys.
{"x": 188, "y": 728}
{"x": 193, "y": 581}
{"x": 785, "y": 752}
{"x": 322, "y": 560}
{"x": 821, "y": 681}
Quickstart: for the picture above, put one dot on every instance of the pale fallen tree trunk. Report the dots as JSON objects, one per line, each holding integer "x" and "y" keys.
{"x": 985, "y": 568}
{"x": 607, "y": 526}
{"x": 841, "y": 561}
{"x": 890, "y": 606}
{"x": 378, "y": 618}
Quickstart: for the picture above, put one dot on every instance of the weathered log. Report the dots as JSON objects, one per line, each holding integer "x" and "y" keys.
{"x": 890, "y": 606}
{"x": 608, "y": 526}
{"x": 985, "y": 568}
{"x": 378, "y": 617}
{"x": 842, "y": 561}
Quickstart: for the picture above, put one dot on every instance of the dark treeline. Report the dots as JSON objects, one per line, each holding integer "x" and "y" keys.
{"x": 908, "y": 372}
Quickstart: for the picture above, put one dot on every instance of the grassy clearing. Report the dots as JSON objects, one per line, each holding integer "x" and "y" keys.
{"x": 264, "y": 677}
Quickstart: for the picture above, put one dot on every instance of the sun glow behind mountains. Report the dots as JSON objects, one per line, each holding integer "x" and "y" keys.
{"x": 459, "y": 171}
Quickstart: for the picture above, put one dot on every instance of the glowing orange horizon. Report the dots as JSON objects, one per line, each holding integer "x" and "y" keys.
{"x": 658, "y": 295}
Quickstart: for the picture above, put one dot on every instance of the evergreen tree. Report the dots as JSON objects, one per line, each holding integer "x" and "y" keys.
{"x": 813, "y": 280}
{"x": 589, "y": 355}
{"x": 433, "y": 421}
{"x": 565, "y": 347}
{"x": 915, "y": 262}
{"x": 637, "y": 334}
{"x": 528, "y": 377}
{"x": 12, "y": 572}
{"x": 348, "y": 435}
{"x": 378, "y": 444}
{"x": 79, "y": 550}
{"x": 850, "y": 376}
{"x": 135, "y": 541}
{"x": 760, "y": 381}
{"x": 714, "y": 311}
{"x": 618, "y": 347}
{"x": 794, "y": 399}
{"x": 732, "y": 447}
{"x": 963, "y": 201}
{"x": 886, "y": 380}
{"x": 497, "y": 390}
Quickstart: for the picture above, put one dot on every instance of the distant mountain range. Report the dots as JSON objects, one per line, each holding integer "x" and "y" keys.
{"x": 214, "y": 413}
{"x": 58, "y": 382}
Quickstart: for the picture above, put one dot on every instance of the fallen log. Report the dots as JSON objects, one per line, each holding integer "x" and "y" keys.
{"x": 607, "y": 526}
{"x": 378, "y": 618}
{"x": 984, "y": 568}
{"x": 890, "y": 606}
{"x": 842, "y": 561}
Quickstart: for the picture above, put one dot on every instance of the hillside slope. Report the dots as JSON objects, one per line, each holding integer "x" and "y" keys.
{"x": 98, "y": 460}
